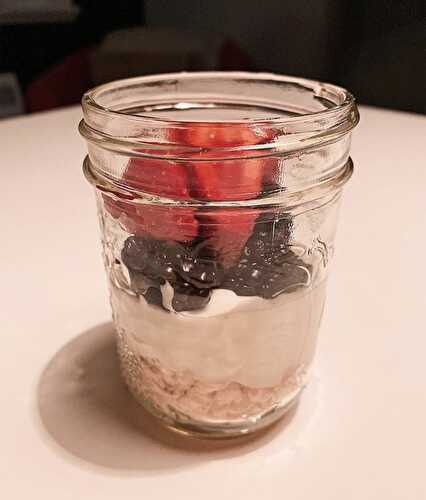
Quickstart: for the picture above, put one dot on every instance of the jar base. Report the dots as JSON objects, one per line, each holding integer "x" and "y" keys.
{"x": 220, "y": 430}
{"x": 142, "y": 376}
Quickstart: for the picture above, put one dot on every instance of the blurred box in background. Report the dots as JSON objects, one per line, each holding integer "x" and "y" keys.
{"x": 142, "y": 51}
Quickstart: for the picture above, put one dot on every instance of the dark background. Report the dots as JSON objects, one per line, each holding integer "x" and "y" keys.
{"x": 375, "y": 48}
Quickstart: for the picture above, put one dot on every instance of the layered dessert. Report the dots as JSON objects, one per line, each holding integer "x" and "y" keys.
{"x": 216, "y": 307}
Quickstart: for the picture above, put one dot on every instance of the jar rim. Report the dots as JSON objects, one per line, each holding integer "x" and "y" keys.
{"x": 91, "y": 98}
{"x": 113, "y": 127}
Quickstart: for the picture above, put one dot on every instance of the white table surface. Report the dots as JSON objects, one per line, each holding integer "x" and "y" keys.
{"x": 69, "y": 430}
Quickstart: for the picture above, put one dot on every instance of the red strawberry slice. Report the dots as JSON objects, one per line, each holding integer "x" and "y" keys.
{"x": 227, "y": 180}
{"x": 117, "y": 207}
{"x": 161, "y": 223}
{"x": 219, "y": 135}
{"x": 226, "y": 230}
{"x": 158, "y": 177}
{"x": 224, "y": 180}
{"x": 161, "y": 178}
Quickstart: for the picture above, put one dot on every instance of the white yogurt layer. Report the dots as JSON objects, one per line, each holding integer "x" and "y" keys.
{"x": 255, "y": 342}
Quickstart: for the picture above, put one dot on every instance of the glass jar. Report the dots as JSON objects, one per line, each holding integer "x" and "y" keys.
{"x": 218, "y": 196}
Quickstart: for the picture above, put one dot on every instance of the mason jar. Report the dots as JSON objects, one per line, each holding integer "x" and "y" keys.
{"x": 218, "y": 195}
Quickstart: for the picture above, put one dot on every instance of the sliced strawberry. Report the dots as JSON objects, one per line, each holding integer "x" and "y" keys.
{"x": 245, "y": 179}
{"x": 161, "y": 178}
{"x": 226, "y": 230}
{"x": 227, "y": 180}
{"x": 271, "y": 173}
{"x": 158, "y": 177}
{"x": 117, "y": 207}
{"x": 223, "y": 180}
{"x": 161, "y": 223}
{"x": 216, "y": 135}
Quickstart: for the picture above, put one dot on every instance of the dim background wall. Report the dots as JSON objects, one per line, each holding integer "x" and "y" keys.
{"x": 51, "y": 51}
{"x": 377, "y": 48}
{"x": 279, "y": 36}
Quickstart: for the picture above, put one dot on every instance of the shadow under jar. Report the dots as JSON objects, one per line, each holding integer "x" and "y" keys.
{"x": 218, "y": 197}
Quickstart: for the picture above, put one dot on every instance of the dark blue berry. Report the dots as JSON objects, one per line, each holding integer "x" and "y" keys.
{"x": 153, "y": 296}
{"x": 135, "y": 253}
{"x": 202, "y": 273}
{"x": 186, "y": 297}
{"x": 268, "y": 267}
